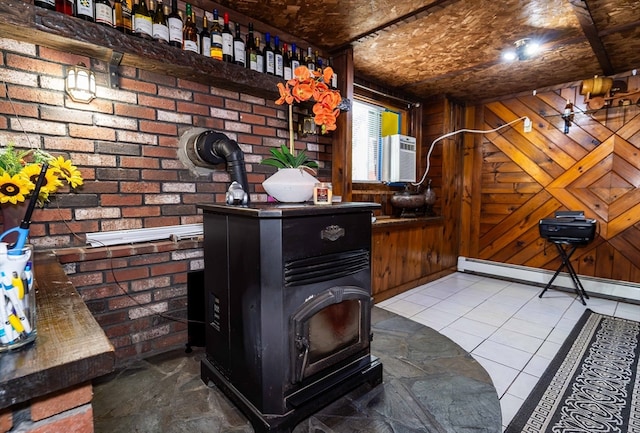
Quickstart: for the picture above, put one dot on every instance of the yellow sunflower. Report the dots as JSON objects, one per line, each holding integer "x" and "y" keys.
{"x": 13, "y": 189}
{"x": 66, "y": 170}
{"x": 50, "y": 184}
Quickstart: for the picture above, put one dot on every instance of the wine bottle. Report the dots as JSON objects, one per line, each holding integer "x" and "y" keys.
{"x": 259, "y": 56}
{"x": 189, "y": 32}
{"x": 144, "y": 25}
{"x": 175, "y": 26}
{"x": 250, "y": 49}
{"x": 277, "y": 58}
{"x": 239, "y": 53}
{"x": 122, "y": 13}
{"x": 227, "y": 40}
{"x": 287, "y": 62}
{"x": 334, "y": 77}
{"x": 205, "y": 37}
{"x": 104, "y": 13}
{"x": 310, "y": 61}
{"x": 567, "y": 115}
{"x": 159, "y": 28}
{"x": 319, "y": 63}
{"x": 216, "y": 37}
{"x": 295, "y": 62}
{"x": 84, "y": 10}
{"x": 47, "y": 4}
{"x": 65, "y": 6}
{"x": 269, "y": 55}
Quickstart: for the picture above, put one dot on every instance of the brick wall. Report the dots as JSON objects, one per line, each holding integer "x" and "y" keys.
{"x": 125, "y": 143}
{"x": 68, "y": 410}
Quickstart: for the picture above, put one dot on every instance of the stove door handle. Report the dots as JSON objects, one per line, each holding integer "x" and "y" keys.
{"x": 303, "y": 348}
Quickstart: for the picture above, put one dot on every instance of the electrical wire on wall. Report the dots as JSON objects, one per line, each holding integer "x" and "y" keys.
{"x": 472, "y": 131}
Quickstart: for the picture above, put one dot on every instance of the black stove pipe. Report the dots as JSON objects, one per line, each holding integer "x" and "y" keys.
{"x": 216, "y": 148}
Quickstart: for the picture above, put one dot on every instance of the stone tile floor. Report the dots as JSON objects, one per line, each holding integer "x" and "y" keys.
{"x": 430, "y": 385}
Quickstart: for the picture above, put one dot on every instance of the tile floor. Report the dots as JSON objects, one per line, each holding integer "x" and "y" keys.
{"x": 511, "y": 332}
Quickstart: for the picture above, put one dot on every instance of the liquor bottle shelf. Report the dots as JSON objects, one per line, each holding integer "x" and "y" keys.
{"x": 25, "y": 22}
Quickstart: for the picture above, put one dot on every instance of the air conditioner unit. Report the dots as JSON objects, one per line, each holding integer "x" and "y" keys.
{"x": 398, "y": 159}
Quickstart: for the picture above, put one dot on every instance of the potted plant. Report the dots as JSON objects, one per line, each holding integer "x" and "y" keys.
{"x": 296, "y": 185}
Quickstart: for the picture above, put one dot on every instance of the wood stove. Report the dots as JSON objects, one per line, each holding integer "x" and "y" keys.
{"x": 288, "y": 307}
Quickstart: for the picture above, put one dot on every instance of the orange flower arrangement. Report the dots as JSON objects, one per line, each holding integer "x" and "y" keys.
{"x": 311, "y": 86}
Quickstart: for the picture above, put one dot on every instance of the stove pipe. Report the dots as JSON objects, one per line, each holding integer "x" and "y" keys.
{"x": 214, "y": 148}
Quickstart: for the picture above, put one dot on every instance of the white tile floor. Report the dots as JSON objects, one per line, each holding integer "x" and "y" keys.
{"x": 511, "y": 332}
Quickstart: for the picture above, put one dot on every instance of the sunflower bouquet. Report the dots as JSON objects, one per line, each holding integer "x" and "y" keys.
{"x": 19, "y": 171}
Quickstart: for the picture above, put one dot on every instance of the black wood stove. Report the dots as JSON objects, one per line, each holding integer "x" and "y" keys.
{"x": 288, "y": 307}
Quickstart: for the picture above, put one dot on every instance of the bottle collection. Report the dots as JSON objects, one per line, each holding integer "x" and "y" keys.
{"x": 156, "y": 20}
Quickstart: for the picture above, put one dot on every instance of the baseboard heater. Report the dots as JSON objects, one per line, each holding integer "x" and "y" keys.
{"x": 601, "y": 287}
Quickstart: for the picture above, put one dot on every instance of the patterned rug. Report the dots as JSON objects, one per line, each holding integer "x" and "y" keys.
{"x": 591, "y": 386}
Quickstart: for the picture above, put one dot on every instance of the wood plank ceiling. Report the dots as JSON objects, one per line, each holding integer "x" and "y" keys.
{"x": 426, "y": 48}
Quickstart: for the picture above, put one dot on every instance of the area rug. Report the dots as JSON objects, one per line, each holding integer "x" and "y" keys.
{"x": 592, "y": 385}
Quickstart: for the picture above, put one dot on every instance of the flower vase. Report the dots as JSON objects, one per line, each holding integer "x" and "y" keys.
{"x": 290, "y": 185}
{"x": 12, "y": 216}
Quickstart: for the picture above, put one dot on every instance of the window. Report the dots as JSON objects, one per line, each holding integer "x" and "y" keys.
{"x": 371, "y": 122}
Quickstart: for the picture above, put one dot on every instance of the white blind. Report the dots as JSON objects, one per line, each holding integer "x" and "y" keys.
{"x": 365, "y": 141}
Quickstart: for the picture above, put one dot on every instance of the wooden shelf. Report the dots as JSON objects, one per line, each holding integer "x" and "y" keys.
{"x": 25, "y": 22}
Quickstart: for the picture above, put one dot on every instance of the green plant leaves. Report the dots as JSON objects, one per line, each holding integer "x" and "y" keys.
{"x": 283, "y": 158}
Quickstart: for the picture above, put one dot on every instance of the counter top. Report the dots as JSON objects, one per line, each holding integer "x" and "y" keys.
{"x": 70, "y": 348}
{"x": 282, "y": 210}
{"x": 385, "y": 221}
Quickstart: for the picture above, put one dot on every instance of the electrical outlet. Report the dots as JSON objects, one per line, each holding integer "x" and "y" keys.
{"x": 527, "y": 124}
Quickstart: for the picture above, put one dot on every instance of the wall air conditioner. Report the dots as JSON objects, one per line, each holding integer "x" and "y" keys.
{"x": 398, "y": 158}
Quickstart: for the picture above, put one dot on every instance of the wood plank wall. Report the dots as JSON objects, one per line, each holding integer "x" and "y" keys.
{"x": 512, "y": 179}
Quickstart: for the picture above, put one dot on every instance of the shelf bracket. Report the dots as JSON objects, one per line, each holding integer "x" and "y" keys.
{"x": 114, "y": 63}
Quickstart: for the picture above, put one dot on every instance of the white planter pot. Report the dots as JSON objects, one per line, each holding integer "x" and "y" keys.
{"x": 290, "y": 185}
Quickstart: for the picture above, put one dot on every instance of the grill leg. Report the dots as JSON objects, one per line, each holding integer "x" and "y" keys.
{"x": 565, "y": 255}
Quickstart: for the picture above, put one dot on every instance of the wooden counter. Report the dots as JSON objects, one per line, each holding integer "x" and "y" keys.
{"x": 405, "y": 253}
{"x": 70, "y": 347}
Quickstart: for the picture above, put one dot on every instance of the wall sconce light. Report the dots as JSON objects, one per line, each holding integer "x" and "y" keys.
{"x": 308, "y": 126}
{"x": 80, "y": 83}
{"x": 524, "y": 50}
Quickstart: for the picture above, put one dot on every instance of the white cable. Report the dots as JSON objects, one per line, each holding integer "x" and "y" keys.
{"x": 449, "y": 134}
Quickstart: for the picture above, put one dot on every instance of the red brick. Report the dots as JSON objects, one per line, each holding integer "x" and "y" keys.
{"x": 23, "y": 110}
{"x": 62, "y": 56}
{"x": 79, "y": 420}
{"x": 265, "y": 111}
{"x": 6, "y": 420}
{"x": 34, "y": 65}
{"x": 231, "y": 104}
{"x": 128, "y": 274}
{"x": 263, "y": 130}
{"x": 98, "y": 105}
{"x": 208, "y": 122}
{"x": 94, "y": 132}
{"x": 252, "y": 118}
{"x": 161, "y": 221}
{"x": 175, "y": 93}
{"x": 158, "y": 127}
{"x": 101, "y": 292}
{"x": 129, "y": 301}
{"x": 139, "y": 162}
{"x": 121, "y": 199}
{"x": 157, "y": 78}
{"x": 60, "y": 401}
{"x": 159, "y": 152}
{"x": 169, "y": 268}
{"x": 91, "y": 279}
{"x": 155, "y": 102}
{"x": 140, "y": 187}
{"x": 209, "y": 100}
{"x": 69, "y": 144}
{"x": 101, "y": 265}
{"x": 136, "y": 111}
{"x": 140, "y": 212}
{"x": 137, "y": 86}
{"x": 190, "y": 107}
{"x": 35, "y": 95}
{"x": 186, "y": 84}
{"x": 73, "y": 227}
{"x": 150, "y": 259}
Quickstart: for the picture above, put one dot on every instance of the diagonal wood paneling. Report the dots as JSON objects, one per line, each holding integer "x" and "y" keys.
{"x": 529, "y": 176}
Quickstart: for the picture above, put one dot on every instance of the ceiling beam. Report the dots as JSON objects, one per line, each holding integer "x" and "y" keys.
{"x": 581, "y": 9}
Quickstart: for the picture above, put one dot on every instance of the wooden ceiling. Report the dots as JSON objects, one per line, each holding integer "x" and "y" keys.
{"x": 453, "y": 47}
